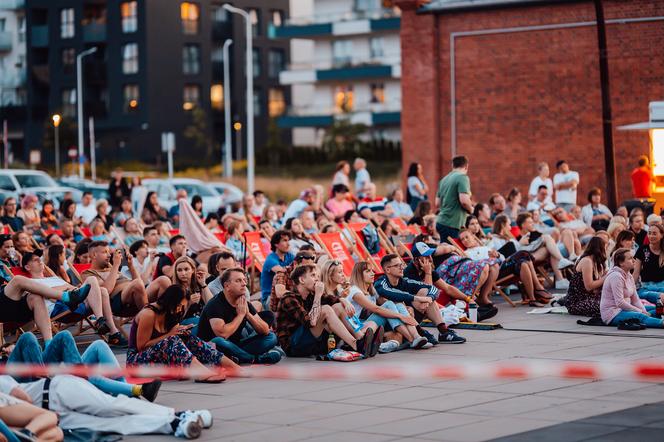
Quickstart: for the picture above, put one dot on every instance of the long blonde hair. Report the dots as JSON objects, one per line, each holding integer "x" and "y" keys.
{"x": 326, "y": 275}
{"x": 193, "y": 285}
{"x": 357, "y": 278}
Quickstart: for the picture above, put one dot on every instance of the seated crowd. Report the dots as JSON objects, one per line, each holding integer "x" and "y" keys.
{"x": 346, "y": 269}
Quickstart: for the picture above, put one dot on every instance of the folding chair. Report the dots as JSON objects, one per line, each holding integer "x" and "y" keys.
{"x": 335, "y": 247}
{"x": 254, "y": 247}
{"x": 355, "y": 229}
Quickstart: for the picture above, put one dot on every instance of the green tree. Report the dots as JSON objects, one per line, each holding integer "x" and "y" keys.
{"x": 343, "y": 136}
{"x": 274, "y": 147}
{"x": 197, "y": 131}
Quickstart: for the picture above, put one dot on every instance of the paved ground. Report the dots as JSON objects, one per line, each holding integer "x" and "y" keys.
{"x": 279, "y": 410}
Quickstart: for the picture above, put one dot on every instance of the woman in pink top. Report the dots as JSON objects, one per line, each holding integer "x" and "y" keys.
{"x": 620, "y": 301}
{"x": 339, "y": 204}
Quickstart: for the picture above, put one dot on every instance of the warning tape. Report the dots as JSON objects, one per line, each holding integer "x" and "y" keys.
{"x": 477, "y": 370}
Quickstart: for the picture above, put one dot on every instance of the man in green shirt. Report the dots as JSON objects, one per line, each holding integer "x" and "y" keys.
{"x": 453, "y": 200}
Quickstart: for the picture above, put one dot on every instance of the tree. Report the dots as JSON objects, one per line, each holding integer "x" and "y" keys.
{"x": 274, "y": 146}
{"x": 343, "y": 135}
{"x": 198, "y": 132}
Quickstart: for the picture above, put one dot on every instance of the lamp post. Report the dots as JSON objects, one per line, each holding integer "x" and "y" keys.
{"x": 228, "y": 156}
{"x": 79, "y": 106}
{"x": 56, "y": 125}
{"x": 237, "y": 127}
{"x": 250, "y": 94}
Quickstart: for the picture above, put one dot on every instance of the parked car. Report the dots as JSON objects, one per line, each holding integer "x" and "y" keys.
{"x": 230, "y": 194}
{"x": 167, "y": 189}
{"x": 98, "y": 191}
{"x": 26, "y": 181}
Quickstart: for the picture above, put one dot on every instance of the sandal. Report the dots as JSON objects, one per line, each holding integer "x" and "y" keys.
{"x": 537, "y": 304}
{"x": 543, "y": 294}
{"x": 214, "y": 379}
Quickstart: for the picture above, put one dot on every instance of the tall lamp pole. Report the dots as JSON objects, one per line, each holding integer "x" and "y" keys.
{"x": 79, "y": 106}
{"x": 228, "y": 155}
{"x": 250, "y": 94}
{"x": 56, "y": 125}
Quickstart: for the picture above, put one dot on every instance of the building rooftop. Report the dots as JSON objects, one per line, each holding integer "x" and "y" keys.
{"x": 451, "y": 5}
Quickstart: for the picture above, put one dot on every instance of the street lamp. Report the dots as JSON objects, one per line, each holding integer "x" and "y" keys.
{"x": 228, "y": 157}
{"x": 237, "y": 127}
{"x": 79, "y": 106}
{"x": 250, "y": 94}
{"x": 56, "y": 124}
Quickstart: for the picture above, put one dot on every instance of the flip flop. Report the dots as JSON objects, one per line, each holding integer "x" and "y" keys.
{"x": 209, "y": 381}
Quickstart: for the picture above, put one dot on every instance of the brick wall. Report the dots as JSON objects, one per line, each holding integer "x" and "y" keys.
{"x": 528, "y": 96}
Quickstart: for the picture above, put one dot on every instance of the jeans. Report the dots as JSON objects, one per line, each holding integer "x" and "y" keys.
{"x": 5, "y": 431}
{"x": 247, "y": 349}
{"x": 381, "y": 321}
{"x": 646, "y": 320}
{"x": 194, "y": 320}
{"x": 445, "y": 231}
{"x": 650, "y": 291}
{"x": 62, "y": 349}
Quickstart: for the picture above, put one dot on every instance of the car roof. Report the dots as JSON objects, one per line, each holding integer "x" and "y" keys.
{"x": 23, "y": 172}
{"x": 174, "y": 180}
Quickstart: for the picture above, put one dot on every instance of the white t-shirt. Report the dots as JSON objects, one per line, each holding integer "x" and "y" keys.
{"x": 566, "y": 196}
{"x": 87, "y": 213}
{"x": 537, "y": 182}
{"x": 362, "y": 178}
{"x": 412, "y": 182}
{"x": 354, "y": 290}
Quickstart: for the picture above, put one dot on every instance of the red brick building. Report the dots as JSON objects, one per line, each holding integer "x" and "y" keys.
{"x": 509, "y": 83}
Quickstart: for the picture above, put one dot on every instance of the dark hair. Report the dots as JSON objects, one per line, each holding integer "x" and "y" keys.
{"x": 211, "y": 216}
{"x": 423, "y": 208}
{"x": 493, "y": 198}
{"x": 214, "y": 259}
{"x": 643, "y": 160}
{"x": 149, "y": 229}
{"x": 174, "y": 239}
{"x": 148, "y": 205}
{"x": 4, "y": 238}
{"x": 82, "y": 248}
{"x": 307, "y": 247}
{"x": 42, "y": 213}
{"x": 522, "y": 217}
{"x": 123, "y": 199}
{"x": 289, "y": 223}
{"x": 339, "y": 188}
{"x": 52, "y": 255}
{"x": 348, "y": 215}
{"x": 227, "y": 274}
{"x": 258, "y": 192}
{"x": 137, "y": 245}
{"x": 619, "y": 256}
{"x": 542, "y": 186}
{"x": 460, "y": 161}
{"x": 65, "y": 207}
{"x": 300, "y": 271}
{"x": 477, "y": 209}
{"x": 412, "y": 169}
{"x": 6, "y": 201}
{"x": 87, "y": 192}
{"x": 276, "y": 238}
{"x": 498, "y": 224}
{"x": 594, "y": 191}
{"x": 512, "y": 194}
{"x": 95, "y": 244}
{"x": 560, "y": 163}
{"x": 168, "y": 302}
{"x": 624, "y": 235}
{"x": 387, "y": 258}
{"x": 596, "y": 250}
{"x": 341, "y": 164}
{"x": 469, "y": 219}
{"x": 195, "y": 200}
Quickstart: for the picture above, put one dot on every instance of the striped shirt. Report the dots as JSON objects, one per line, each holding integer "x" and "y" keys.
{"x": 375, "y": 205}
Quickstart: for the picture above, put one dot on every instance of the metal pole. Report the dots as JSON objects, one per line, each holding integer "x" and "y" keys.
{"x": 57, "y": 150}
{"x": 238, "y": 145}
{"x": 93, "y": 156}
{"x": 228, "y": 155}
{"x": 250, "y": 94}
{"x": 170, "y": 143}
{"x": 79, "y": 106}
{"x": 5, "y": 143}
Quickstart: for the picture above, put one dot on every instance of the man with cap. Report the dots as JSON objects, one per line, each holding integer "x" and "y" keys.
{"x": 393, "y": 285}
{"x": 295, "y": 209}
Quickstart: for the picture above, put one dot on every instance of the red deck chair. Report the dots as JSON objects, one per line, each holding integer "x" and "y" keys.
{"x": 86, "y": 232}
{"x": 174, "y": 232}
{"x": 51, "y": 231}
{"x": 255, "y": 249}
{"x": 80, "y": 268}
{"x": 335, "y": 247}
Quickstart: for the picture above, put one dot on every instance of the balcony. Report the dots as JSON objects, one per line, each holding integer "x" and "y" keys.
{"x": 12, "y": 4}
{"x": 371, "y": 114}
{"x": 94, "y": 33}
{"x": 5, "y": 41}
{"x": 12, "y": 78}
{"x": 95, "y": 71}
{"x": 39, "y": 36}
{"x": 343, "y": 23}
{"x": 340, "y": 70}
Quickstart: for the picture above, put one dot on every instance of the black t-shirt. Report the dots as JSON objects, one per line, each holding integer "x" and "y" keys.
{"x": 640, "y": 237}
{"x": 411, "y": 272}
{"x": 164, "y": 260}
{"x": 650, "y": 269}
{"x": 219, "y": 307}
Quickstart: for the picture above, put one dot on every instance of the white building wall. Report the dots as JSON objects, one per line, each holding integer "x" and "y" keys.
{"x": 13, "y": 62}
{"x": 302, "y": 51}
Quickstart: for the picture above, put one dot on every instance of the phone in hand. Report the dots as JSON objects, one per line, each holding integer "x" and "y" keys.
{"x": 534, "y": 236}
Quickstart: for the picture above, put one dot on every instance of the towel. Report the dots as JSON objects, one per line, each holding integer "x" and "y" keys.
{"x": 199, "y": 238}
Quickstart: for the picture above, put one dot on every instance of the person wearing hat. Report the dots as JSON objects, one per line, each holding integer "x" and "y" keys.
{"x": 394, "y": 286}
{"x": 301, "y": 204}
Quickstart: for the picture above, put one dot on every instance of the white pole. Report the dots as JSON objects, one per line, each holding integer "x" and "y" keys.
{"x": 93, "y": 156}
{"x": 228, "y": 155}
{"x": 79, "y": 106}
{"x": 170, "y": 146}
{"x": 250, "y": 95}
{"x": 57, "y": 150}
{"x": 5, "y": 143}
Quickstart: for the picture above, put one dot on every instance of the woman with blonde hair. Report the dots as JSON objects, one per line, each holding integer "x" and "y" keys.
{"x": 192, "y": 280}
{"x": 29, "y": 213}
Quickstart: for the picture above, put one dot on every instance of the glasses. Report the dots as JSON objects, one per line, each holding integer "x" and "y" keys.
{"x": 400, "y": 265}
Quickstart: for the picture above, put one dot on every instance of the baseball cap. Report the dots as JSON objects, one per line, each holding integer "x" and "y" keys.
{"x": 421, "y": 249}
{"x": 27, "y": 256}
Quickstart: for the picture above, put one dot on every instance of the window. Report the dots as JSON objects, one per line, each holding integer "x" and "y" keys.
{"x": 191, "y": 59}
{"x": 190, "y": 14}
{"x": 130, "y": 58}
{"x": 343, "y": 98}
{"x": 275, "y": 60}
{"x": 129, "y": 18}
{"x": 367, "y": 5}
{"x": 131, "y": 97}
{"x": 277, "y": 18}
{"x": 342, "y": 52}
{"x": 217, "y": 53}
{"x": 219, "y": 14}
{"x": 256, "y": 55}
{"x": 276, "y": 102}
{"x": 217, "y": 96}
{"x": 377, "y": 47}
{"x": 378, "y": 93}
{"x": 3, "y": 24}
{"x": 21, "y": 29}
{"x": 67, "y": 23}
{"x": 257, "y": 103}
{"x": 191, "y": 96}
{"x": 68, "y": 102}
{"x": 68, "y": 60}
{"x": 255, "y": 17}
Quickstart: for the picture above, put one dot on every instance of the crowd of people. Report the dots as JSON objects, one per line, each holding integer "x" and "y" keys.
{"x": 196, "y": 292}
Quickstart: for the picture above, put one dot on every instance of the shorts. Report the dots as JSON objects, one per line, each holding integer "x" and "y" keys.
{"x": 14, "y": 311}
{"x": 120, "y": 309}
{"x": 563, "y": 250}
{"x": 303, "y": 343}
{"x": 61, "y": 307}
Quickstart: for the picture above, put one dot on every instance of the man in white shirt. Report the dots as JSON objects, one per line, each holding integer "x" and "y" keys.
{"x": 86, "y": 209}
{"x": 542, "y": 179}
{"x": 362, "y": 177}
{"x": 565, "y": 183}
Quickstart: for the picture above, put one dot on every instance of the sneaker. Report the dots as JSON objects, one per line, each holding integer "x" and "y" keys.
{"x": 204, "y": 416}
{"x": 389, "y": 346}
{"x": 486, "y": 312}
{"x": 419, "y": 343}
{"x": 364, "y": 344}
{"x": 427, "y": 346}
{"x": 101, "y": 326}
{"x": 562, "y": 284}
{"x": 431, "y": 338}
{"x": 77, "y": 296}
{"x": 450, "y": 337}
{"x": 564, "y": 263}
{"x": 189, "y": 427}
{"x": 150, "y": 390}
{"x": 269, "y": 357}
{"x": 117, "y": 340}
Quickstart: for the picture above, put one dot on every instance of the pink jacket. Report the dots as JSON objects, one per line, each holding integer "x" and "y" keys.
{"x": 619, "y": 294}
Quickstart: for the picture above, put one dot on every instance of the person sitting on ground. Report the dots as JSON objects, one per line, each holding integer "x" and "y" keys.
{"x": 474, "y": 227}
{"x": 542, "y": 247}
{"x": 145, "y": 261}
{"x": 372, "y": 207}
{"x": 649, "y": 266}
{"x": 218, "y": 263}
{"x": 282, "y": 281}
{"x": 543, "y": 204}
{"x": 235, "y": 241}
{"x": 125, "y": 212}
{"x": 400, "y": 208}
{"x": 620, "y": 301}
{"x": 178, "y": 245}
{"x": 31, "y": 421}
{"x": 231, "y": 323}
{"x": 595, "y": 214}
{"x": 157, "y": 337}
{"x": 192, "y": 280}
{"x": 585, "y": 285}
{"x": 132, "y": 231}
{"x": 624, "y": 240}
{"x": 636, "y": 225}
{"x": 47, "y": 216}
{"x": 69, "y": 234}
{"x": 418, "y": 295}
{"x": 277, "y": 261}
{"x": 9, "y": 218}
{"x": 497, "y": 205}
{"x": 152, "y": 237}
{"x": 423, "y": 209}
{"x": 306, "y": 313}
{"x": 99, "y": 233}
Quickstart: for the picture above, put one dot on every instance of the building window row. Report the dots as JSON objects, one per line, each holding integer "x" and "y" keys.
{"x": 130, "y": 58}
{"x": 191, "y": 59}
{"x": 129, "y": 14}
{"x": 67, "y": 23}
{"x": 190, "y": 14}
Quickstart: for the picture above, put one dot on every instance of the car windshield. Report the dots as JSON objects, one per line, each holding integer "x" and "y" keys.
{"x": 194, "y": 189}
{"x": 35, "y": 180}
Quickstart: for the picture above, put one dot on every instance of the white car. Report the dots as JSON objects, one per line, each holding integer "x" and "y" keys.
{"x": 167, "y": 189}
{"x": 21, "y": 182}
{"x": 229, "y": 193}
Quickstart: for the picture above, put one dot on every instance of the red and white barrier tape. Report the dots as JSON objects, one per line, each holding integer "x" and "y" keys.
{"x": 642, "y": 371}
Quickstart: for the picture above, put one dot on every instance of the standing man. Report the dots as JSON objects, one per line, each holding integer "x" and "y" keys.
{"x": 362, "y": 177}
{"x": 453, "y": 200}
{"x": 642, "y": 179}
{"x": 565, "y": 182}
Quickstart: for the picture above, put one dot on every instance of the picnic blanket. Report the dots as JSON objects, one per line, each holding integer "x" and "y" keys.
{"x": 199, "y": 237}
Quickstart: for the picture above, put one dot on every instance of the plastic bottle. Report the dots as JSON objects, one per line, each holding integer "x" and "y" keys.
{"x": 472, "y": 311}
{"x": 331, "y": 343}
